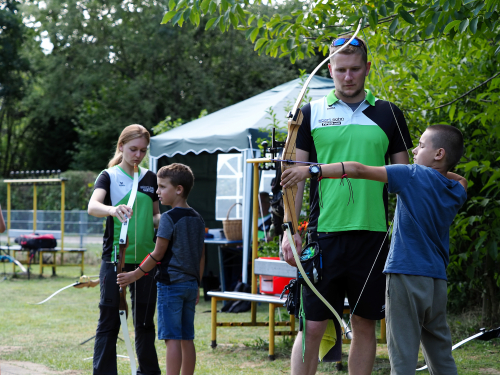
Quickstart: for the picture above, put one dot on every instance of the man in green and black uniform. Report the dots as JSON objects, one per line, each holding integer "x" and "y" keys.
{"x": 349, "y": 124}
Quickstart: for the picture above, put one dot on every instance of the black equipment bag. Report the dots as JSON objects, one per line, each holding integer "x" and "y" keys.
{"x": 37, "y": 241}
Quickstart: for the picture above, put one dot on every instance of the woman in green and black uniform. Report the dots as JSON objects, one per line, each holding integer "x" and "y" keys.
{"x": 111, "y": 193}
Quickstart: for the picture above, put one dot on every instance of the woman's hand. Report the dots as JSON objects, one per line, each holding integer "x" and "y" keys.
{"x": 125, "y": 278}
{"x": 294, "y": 175}
{"x": 121, "y": 212}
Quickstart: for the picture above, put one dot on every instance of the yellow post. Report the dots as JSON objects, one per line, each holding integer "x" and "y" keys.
{"x": 34, "y": 207}
{"x": 383, "y": 337}
{"x": 271, "y": 330}
{"x": 8, "y": 214}
{"x": 63, "y": 192}
{"x": 214, "y": 322}
{"x": 255, "y": 235}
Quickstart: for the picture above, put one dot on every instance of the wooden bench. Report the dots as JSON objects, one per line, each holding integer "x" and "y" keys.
{"x": 273, "y": 301}
{"x": 271, "y": 268}
{"x": 13, "y": 233}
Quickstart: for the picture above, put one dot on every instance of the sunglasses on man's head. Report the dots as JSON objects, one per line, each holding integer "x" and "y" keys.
{"x": 355, "y": 42}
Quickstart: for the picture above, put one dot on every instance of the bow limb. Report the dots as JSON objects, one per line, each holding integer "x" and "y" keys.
{"x": 13, "y": 260}
{"x": 123, "y": 308}
{"x": 290, "y": 220}
{"x": 84, "y": 282}
{"x": 483, "y": 335}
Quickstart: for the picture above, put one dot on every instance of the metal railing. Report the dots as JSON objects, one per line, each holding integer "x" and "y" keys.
{"x": 75, "y": 222}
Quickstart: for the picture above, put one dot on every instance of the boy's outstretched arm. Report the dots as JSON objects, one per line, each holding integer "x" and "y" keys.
{"x": 126, "y": 278}
{"x": 352, "y": 169}
{"x": 458, "y": 178}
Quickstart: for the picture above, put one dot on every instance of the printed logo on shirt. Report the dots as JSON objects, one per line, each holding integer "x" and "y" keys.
{"x": 331, "y": 121}
{"x": 148, "y": 189}
{"x": 330, "y": 107}
{"x": 121, "y": 184}
{"x": 383, "y": 308}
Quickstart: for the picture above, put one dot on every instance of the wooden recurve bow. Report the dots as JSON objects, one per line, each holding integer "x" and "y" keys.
{"x": 290, "y": 222}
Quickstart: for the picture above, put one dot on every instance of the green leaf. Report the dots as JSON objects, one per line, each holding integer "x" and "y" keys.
{"x": 254, "y": 34}
{"x": 471, "y": 165}
{"x": 250, "y": 19}
{"x": 186, "y": 14}
{"x": 210, "y": 23}
{"x": 430, "y": 28}
{"x": 463, "y": 25}
{"x": 172, "y": 4}
{"x": 465, "y": 2}
{"x": 168, "y": 16}
{"x": 435, "y": 17}
{"x": 473, "y": 25}
{"x": 222, "y": 24}
{"x": 383, "y": 10}
{"x": 389, "y": 4}
{"x": 373, "y": 19}
{"x": 261, "y": 42}
{"x": 452, "y": 111}
{"x": 212, "y": 7}
{"x": 393, "y": 26}
{"x": 176, "y": 18}
{"x": 494, "y": 177}
{"x": 233, "y": 19}
{"x": 204, "y": 5}
{"x": 352, "y": 19}
{"x": 451, "y": 25}
{"x": 493, "y": 250}
{"x": 181, "y": 4}
{"x": 249, "y": 32}
{"x": 260, "y": 23}
{"x": 407, "y": 17}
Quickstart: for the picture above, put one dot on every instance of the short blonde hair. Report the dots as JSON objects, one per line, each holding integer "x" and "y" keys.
{"x": 350, "y": 49}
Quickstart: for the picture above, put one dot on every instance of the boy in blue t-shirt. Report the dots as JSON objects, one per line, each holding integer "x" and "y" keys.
{"x": 180, "y": 256}
{"x": 429, "y": 197}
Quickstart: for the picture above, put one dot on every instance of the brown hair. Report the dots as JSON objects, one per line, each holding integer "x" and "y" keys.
{"x": 128, "y": 134}
{"x": 449, "y": 138}
{"x": 350, "y": 49}
{"x": 179, "y": 174}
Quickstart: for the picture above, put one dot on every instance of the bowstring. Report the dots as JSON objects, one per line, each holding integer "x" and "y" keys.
{"x": 385, "y": 185}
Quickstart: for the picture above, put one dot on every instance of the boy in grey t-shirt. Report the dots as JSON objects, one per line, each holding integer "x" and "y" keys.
{"x": 180, "y": 255}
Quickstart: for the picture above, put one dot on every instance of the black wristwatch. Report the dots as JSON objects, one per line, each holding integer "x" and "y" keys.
{"x": 315, "y": 171}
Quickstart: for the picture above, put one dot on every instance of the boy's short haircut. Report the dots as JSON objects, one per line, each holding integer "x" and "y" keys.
{"x": 179, "y": 174}
{"x": 350, "y": 49}
{"x": 449, "y": 138}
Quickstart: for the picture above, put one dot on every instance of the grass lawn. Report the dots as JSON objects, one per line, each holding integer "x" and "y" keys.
{"x": 50, "y": 334}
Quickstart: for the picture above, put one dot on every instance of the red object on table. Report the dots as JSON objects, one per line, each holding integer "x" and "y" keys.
{"x": 273, "y": 284}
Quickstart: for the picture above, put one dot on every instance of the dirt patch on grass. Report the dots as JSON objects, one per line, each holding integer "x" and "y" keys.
{"x": 489, "y": 371}
{"x": 9, "y": 349}
{"x": 30, "y": 368}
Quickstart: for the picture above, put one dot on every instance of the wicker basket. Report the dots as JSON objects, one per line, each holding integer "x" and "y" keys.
{"x": 232, "y": 228}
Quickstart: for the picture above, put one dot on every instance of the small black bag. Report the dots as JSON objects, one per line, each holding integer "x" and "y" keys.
{"x": 312, "y": 262}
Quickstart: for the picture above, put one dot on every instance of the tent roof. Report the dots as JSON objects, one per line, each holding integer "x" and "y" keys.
{"x": 230, "y": 128}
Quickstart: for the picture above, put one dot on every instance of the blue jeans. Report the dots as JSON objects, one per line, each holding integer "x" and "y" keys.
{"x": 176, "y": 306}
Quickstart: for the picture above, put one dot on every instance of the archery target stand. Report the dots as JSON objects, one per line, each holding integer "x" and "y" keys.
{"x": 35, "y": 179}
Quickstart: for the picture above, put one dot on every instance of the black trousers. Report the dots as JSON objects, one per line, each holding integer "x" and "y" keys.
{"x": 143, "y": 304}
